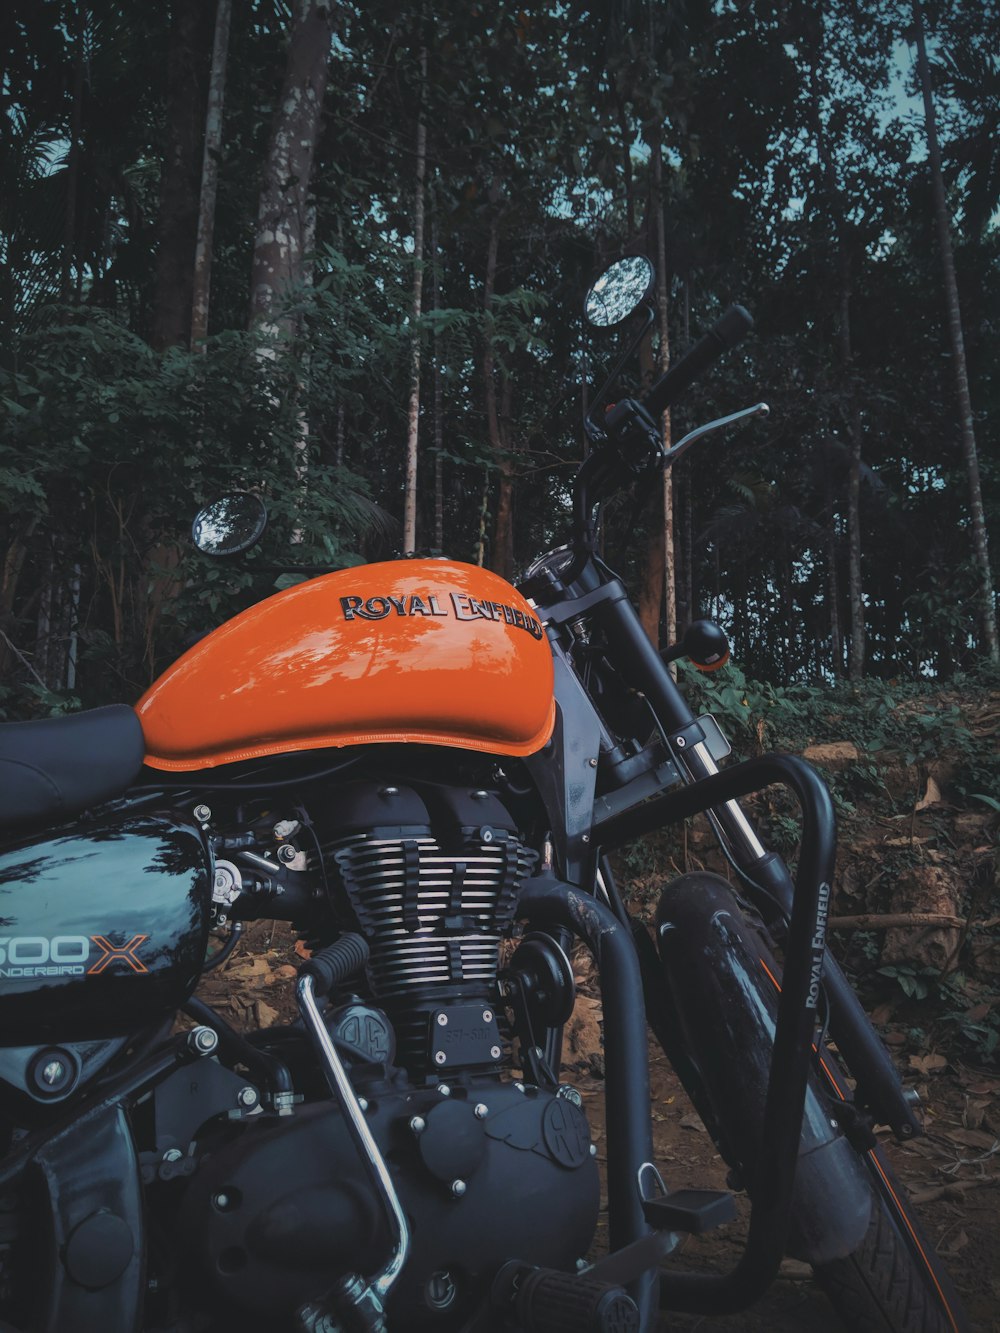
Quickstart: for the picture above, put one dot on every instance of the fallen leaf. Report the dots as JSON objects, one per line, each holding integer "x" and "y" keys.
{"x": 302, "y": 949}
{"x": 981, "y": 1087}
{"x": 282, "y": 973}
{"x": 973, "y": 1138}
{"x": 251, "y": 972}
{"x": 927, "y": 1064}
{"x": 266, "y": 1016}
{"x": 932, "y": 796}
{"x": 972, "y": 1116}
{"x": 692, "y": 1121}
{"x": 959, "y": 1243}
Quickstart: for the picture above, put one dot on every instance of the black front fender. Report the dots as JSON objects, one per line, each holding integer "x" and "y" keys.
{"x": 717, "y": 997}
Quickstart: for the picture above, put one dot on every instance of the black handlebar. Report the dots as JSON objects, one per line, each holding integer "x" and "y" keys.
{"x": 725, "y": 333}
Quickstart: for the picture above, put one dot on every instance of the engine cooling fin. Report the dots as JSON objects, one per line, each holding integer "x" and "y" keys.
{"x": 432, "y": 877}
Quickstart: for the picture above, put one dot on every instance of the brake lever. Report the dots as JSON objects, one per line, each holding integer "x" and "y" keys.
{"x": 682, "y": 446}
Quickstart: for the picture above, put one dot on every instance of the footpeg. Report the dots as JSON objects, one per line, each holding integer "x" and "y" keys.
{"x": 693, "y": 1211}
{"x": 544, "y": 1300}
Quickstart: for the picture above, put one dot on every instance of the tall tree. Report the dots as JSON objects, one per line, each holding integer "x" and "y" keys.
{"x": 177, "y": 219}
{"x": 987, "y": 599}
{"x": 413, "y": 412}
{"x": 283, "y": 219}
{"x": 202, "y": 278}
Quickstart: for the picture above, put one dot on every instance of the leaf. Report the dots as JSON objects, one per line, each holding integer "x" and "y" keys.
{"x": 974, "y": 1138}
{"x": 928, "y": 1064}
{"x": 692, "y": 1121}
{"x": 932, "y": 796}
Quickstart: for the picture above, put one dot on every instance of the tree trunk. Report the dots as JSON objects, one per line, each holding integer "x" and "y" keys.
{"x": 413, "y": 413}
{"x": 73, "y": 163}
{"x": 177, "y": 223}
{"x": 202, "y": 280}
{"x": 658, "y": 585}
{"x": 502, "y": 555}
{"x": 438, "y": 402}
{"x": 283, "y": 212}
{"x": 833, "y": 594}
{"x": 987, "y": 605}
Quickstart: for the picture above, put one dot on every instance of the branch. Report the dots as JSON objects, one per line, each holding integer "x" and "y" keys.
{"x": 18, "y": 654}
{"x": 955, "y": 1190}
{"x": 883, "y": 921}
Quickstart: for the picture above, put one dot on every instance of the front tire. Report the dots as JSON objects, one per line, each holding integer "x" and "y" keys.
{"x": 718, "y": 982}
{"x": 894, "y": 1281}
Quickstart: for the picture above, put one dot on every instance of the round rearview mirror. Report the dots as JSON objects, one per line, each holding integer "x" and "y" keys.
{"x": 229, "y": 525}
{"x": 619, "y": 291}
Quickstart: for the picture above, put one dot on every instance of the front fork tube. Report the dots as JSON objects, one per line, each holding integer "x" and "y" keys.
{"x": 768, "y": 884}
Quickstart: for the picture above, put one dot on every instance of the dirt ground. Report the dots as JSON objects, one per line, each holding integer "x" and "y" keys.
{"x": 952, "y": 1173}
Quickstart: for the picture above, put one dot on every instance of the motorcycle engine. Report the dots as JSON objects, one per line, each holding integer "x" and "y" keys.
{"x": 487, "y": 1168}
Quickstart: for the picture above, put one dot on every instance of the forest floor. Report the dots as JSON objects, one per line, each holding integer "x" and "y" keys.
{"x": 916, "y": 850}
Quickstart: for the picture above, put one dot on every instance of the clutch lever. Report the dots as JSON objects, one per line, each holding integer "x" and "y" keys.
{"x": 693, "y": 436}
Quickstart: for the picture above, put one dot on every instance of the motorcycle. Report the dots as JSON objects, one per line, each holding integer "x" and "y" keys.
{"x": 424, "y": 769}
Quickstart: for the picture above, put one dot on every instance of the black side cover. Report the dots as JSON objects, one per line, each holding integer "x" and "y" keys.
{"x": 56, "y": 767}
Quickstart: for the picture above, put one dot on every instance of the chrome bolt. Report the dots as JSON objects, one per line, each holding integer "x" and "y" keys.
{"x": 480, "y": 795}
{"x": 444, "y": 1090}
{"x": 247, "y": 1096}
{"x": 585, "y": 838}
{"x": 221, "y": 1202}
{"x": 487, "y": 835}
{"x": 495, "y": 1052}
{"x": 442, "y": 1020}
{"x": 389, "y": 791}
{"x": 202, "y": 813}
{"x": 363, "y": 1103}
{"x": 581, "y": 1264}
{"x": 593, "y": 1150}
{"x": 537, "y": 1052}
{"x": 53, "y": 1072}
{"x": 458, "y": 1188}
{"x": 480, "y": 1110}
{"x": 286, "y": 853}
{"x": 487, "y": 1015}
{"x": 440, "y": 1058}
{"x": 418, "y": 1124}
{"x": 202, "y": 1040}
{"x": 592, "y": 763}
{"x": 681, "y": 742}
{"x": 173, "y": 1155}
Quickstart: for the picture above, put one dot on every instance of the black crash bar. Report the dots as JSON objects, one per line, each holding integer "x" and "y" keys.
{"x": 795, "y": 1030}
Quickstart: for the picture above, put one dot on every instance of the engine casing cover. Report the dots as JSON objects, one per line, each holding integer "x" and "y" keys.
{"x": 276, "y": 1216}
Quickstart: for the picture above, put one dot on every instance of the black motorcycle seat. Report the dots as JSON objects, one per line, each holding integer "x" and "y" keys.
{"x": 56, "y": 767}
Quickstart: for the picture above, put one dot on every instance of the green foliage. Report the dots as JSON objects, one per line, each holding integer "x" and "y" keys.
{"x": 754, "y": 714}
{"x": 110, "y": 449}
{"x": 792, "y": 180}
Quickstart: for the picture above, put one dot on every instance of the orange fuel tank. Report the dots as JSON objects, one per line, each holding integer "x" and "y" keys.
{"x": 426, "y": 651}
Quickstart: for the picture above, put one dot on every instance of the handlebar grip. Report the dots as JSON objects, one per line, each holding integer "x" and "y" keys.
{"x": 725, "y": 333}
